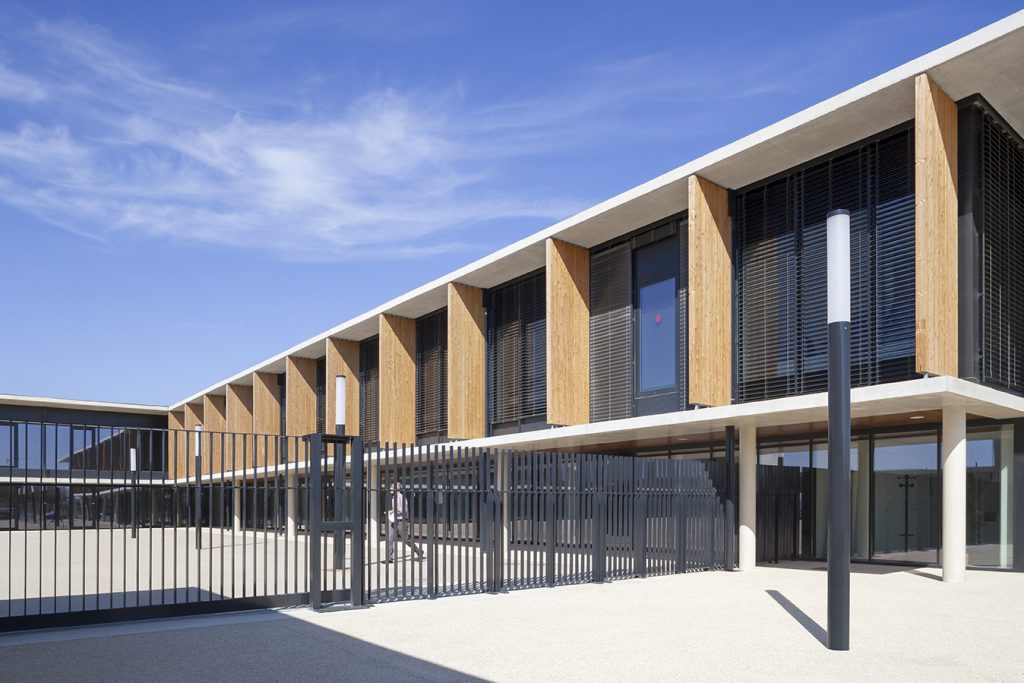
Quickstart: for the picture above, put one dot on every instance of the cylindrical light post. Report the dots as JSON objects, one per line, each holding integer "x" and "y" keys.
{"x": 838, "y": 235}
{"x": 339, "y": 405}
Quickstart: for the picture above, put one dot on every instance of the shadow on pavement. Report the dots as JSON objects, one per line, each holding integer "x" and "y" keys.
{"x": 801, "y": 617}
{"x": 276, "y": 647}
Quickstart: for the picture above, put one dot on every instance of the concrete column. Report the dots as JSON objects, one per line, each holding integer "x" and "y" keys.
{"x": 292, "y": 498}
{"x": 862, "y": 503}
{"x": 954, "y": 494}
{"x": 1005, "y": 495}
{"x": 748, "y": 497}
{"x": 236, "y": 506}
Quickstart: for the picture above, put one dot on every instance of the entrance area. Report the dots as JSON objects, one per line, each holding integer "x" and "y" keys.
{"x": 896, "y": 497}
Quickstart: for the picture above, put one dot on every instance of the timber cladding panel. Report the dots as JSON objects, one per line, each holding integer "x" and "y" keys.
{"x": 176, "y": 436}
{"x": 300, "y": 395}
{"x": 936, "y": 222}
{"x": 214, "y": 425}
{"x": 238, "y": 447}
{"x": 710, "y": 294}
{"x": 467, "y": 362}
{"x": 343, "y": 359}
{"x": 567, "y": 292}
{"x": 266, "y": 415}
{"x": 397, "y": 379}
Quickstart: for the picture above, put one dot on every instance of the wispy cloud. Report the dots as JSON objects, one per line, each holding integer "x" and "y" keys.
{"x": 19, "y": 87}
{"x": 128, "y": 151}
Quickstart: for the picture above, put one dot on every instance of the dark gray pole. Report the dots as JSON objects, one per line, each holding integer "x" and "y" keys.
{"x": 839, "y": 430}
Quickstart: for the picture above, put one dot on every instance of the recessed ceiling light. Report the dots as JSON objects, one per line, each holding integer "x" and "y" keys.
{"x": 917, "y": 417}
{"x": 684, "y": 438}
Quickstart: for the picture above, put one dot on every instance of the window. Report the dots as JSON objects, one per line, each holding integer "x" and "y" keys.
{"x": 321, "y": 396}
{"x": 369, "y": 422}
{"x": 999, "y": 221}
{"x": 638, "y": 320}
{"x": 516, "y": 329}
{"x": 657, "y": 353}
{"x": 782, "y": 340}
{"x": 432, "y": 377}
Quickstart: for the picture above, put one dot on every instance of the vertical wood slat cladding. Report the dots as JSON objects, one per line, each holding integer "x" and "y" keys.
{"x": 710, "y": 294}
{"x": 176, "y": 442}
{"x": 343, "y": 359}
{"x": 238, "y": 450}
{"x": 936, "y": 221}
{"x": 397, "y": 379}
{"x": 467, "y": 363}
{"x": 193, "y": 419}
{"x": 266, "y": 414}
{"x": 567, "y": 293}
{"x": 300, "y": 396}
{"x": 214, "y": 424}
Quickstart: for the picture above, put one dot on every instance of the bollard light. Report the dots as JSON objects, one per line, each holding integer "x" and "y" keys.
{"x": 838, "y": 236}
{"x": 339, "y": 405}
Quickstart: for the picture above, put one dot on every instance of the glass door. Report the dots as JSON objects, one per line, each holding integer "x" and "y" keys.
{"x": 905, "y": 490}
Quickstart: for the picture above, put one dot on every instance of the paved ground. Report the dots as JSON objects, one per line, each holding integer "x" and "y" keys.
{"x": 766, "y": 624}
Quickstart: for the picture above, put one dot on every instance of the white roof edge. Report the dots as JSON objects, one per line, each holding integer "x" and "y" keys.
{"x": 907, "y": 70}
{"x": 49, "y": 402}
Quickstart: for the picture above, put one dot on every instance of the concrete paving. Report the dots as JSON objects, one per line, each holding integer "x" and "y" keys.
{"x": 766, "y": 624}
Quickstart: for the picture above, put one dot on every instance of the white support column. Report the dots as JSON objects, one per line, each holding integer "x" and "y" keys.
{"x": 748, "y": 497}
{"x": 292, "y": 498}
{"x": 236, "y": 506}
{"x": 954, "y": 494}
{"x": 1005, "y": 495}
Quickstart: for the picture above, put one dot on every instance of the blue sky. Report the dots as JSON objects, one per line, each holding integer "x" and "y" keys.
{"x": 188, "y": 188}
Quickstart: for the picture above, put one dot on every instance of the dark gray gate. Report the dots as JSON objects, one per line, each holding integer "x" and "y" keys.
{"x": 486, "y": 520}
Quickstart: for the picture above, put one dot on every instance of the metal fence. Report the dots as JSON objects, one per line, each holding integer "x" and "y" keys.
{"x": 469, "y": 520}
{"x": 111, "y": 523}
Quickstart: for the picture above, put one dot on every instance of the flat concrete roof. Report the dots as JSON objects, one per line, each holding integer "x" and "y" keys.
{"x": 989, "y": 61}
{"x": 75, "y": 404}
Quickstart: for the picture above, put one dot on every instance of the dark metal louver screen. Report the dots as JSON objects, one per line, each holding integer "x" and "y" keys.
{"x": 781, "y": 271}
{"x": 1001, "y": 243}
{"x": 684, "y": 314}
{"x": 369, "y": 391}
{"x": 282, "y": 396}
{"x": 432, "y": 376}
{"x": 321, "y": 395}
{"x": 611, "y": 334}
{"x": 516, "y": 331}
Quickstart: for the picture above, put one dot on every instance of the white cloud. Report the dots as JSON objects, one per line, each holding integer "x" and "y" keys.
{"x": 19, "y": 87}
{"x": 128, "y": 152}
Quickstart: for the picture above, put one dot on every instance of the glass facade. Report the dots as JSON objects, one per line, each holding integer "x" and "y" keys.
{"x": 990, "y": 497}
{"x": 905, "y": 483}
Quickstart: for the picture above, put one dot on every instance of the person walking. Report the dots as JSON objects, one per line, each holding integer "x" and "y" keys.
{"x": 398, "y": 524}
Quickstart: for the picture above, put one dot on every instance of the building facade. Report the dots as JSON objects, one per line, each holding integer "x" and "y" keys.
{"x": 694, "y": 304}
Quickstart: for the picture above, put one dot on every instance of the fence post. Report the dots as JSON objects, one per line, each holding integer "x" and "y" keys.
{"x": 486, "y": 522}
{"x": 315, "y": 518}
{"x": 339, "y": 505}
{"x": 358, "y": 522}
{"x": 600, "y": 502}
{"x": 431, "y": 524}
{"x": 730, "y": 496}
{"x": 680, "y": 516}
{"x": 550, "y": 556}
{"x": 639, "y": 522}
